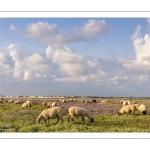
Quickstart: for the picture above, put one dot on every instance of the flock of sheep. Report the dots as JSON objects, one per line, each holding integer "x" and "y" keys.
{"x": 56, "y": 112}
{"x": 129, "y": 108}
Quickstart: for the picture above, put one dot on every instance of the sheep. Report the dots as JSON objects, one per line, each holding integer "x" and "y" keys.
{"x": 44, "y": 104}
{"x": 134, "y": 102}
{"x": 51, "y": 113}
{"x": 54, "y": 104}
{"x": 82, "y": 101}
{"x": 76, "y": 111}
{"x": 88, "y": 101}
{"x": 136, "y": 106}
{"x": 49, "y": 104}
{"x": 127, "y": 109}
{"x": 105, "y": 101}
{"x": 121, "y": 101}
{"x": 1, "y": 101}
{"x": 94, "y": 101}
{"x": 126, "y": 103}
{"x": 142, "y": 108}
{"x": 27, "y": 104}
{"x": 10, "y": 101}
{"x": 16, "y": 102}
{"x": 64, "y": 101}
{"x": 75, "y": 100}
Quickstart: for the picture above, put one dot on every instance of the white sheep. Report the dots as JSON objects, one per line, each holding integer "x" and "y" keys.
{"x": 49, "y": 104}
{"x": 142, "y": 108}
{"x": 121, "y": 101}
{"x": 16, "y": 102}
{"x": 134, "y": 102}
{"x": 51, "y": 113}
{"x": 127, "y": 109}
{"x": 136, "y": 106}
{"x": 54, "y": 104}
{"x": 10, "y": 101}
{"x": 27, "y": 104}
{"x": 126, "y": 103}
{"x": 87, "y": 101}
{"x": 44, "y": 104}
{"x": 76, "y": 111}
{"x": 1, "y": 101}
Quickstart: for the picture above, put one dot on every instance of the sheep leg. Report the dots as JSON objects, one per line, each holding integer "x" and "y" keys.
{"x": 68, "y": 118}
{"x": 62, "y": 120}
{"x": 82, "y": 118}
{"x": 57, "y": 121}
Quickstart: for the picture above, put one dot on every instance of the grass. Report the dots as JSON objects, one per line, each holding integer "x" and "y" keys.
{"x": 14, "y": 119}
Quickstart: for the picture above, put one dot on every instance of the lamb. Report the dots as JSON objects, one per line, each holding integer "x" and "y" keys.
{"x": 76, "y": 111}
{"x": 51, "y": 113}
{"x": 127, "y": 109}
{"x": 142, "y": 108}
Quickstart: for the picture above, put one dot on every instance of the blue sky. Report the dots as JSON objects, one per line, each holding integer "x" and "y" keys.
{"x": 75, "y": 56}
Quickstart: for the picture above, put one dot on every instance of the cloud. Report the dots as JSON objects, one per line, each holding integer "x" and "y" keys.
{"x": 48, "y": 33}
{"x": 40, "y": 30}
{"x": 12, "y": 28}
{"x": 74, "y": 67}
{"x": 19, "y": 65}
{"x": 142, "y": 52}
{"x": 68, "y": 61}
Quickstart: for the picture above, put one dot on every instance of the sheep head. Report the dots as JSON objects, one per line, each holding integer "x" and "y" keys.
{"x": 119, "y": 113}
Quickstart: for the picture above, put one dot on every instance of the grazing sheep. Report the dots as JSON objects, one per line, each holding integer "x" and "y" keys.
{"x": 44, "y": 104}
{"x": 10, "y": 101}
{"x": 125, "y": 103}
{"x": 76, "y": 111}
{"x": 94, "y": 101}
{"x": 51, "y": 113}
{"x": 16, "y": 102}
{"x": 75, "y": 100}
{"x": 134, "y": 102}
{"x": 136, "y": 106}
{"x": 127, "y": 109}
{"x": 105, "y": 101}
{"x": 82, "y": 101}
{"x": 49, "y": 104}
{"x": 29, "y": 99}
{"x": 142, "y": 108}
{"x": 88, "y": 101}
{"x": 27, "y": 104}
{"x": 64, "y": 101}
{"x": 54, "y": 104}
{"x": 121, "y": 101}
{"x": 1, "y": 101}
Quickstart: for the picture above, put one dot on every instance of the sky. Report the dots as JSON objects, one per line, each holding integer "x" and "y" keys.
{"x": 75, "y": 56}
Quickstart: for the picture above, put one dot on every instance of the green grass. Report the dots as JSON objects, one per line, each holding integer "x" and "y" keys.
{"x": 14, "y": 119}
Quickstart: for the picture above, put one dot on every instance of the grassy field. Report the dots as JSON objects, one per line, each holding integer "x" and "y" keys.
{"x": 106, "y": 119}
